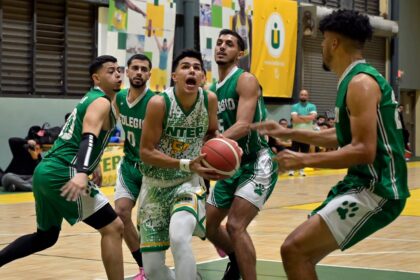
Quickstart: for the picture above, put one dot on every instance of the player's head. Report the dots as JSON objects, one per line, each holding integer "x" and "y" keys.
{"x": 344, "y": 31}
{"x": 138, "y": 70}
{"x": 187, "y": 70}
{"x": 229, "y": 47}
{"x": 105, "y": 73}
{"x": 303, "y": 95}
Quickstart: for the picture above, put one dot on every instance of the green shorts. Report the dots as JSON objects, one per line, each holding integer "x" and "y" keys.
{"x": 156, "y": 206}
{"x": 254, "y": 182}
{"x": 354, "y": 214}
{"x": 49, "y": 177}
{"x": 128, "y": 180}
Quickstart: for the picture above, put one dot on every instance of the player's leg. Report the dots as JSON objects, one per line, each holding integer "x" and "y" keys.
{"x": 181, "y": 230}
{"x": 217, "y": 208}
{"x": 156, "y": 269}
{"x": 111, "y": 228}
{"x": 48, "y": 220}
{"x": 126, "y": 192}
{"x": 240, "y": 215}
{"x": 341, "y": 221}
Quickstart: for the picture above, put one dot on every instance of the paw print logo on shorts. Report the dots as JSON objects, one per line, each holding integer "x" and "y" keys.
{"x": 347, "y": 210}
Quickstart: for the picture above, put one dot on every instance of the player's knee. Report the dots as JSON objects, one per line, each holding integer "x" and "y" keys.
{"x": 46, "y": 239}
{"x": 290, "y": 250}
{"x": 234, "y": 228}
{"x": 124, "y": 213}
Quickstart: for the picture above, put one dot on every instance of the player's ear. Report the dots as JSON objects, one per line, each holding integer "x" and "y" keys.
{"x": 95, "y": 78}
{"x": 173, "y": 75}
{"x": 241, "y": 54}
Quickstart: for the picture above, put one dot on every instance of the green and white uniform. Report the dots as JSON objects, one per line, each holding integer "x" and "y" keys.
{"x": 166, "y": 190}
{"x": 371, "y": 195}
{"x": 257, "y": 176}
{"x": 57, "y": 168}
{"x": 131, "y": 116}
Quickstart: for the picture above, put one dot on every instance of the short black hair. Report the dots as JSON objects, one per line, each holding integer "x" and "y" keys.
{"x": 235, "y": 34}
{"x": 282, "y": 120}
{"x": 99, "y": 61}
{"x": 187, "y": 53}
{"x": 139, "y": 56}
{"x": 348, "y": 23}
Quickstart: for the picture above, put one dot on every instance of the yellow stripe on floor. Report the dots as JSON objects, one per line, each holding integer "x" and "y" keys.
{"x": 412, "y": 207}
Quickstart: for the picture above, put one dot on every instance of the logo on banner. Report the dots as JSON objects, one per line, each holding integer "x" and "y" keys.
{"x": 274, "y": 35}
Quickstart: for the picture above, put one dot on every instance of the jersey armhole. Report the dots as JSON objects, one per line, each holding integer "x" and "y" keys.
{"x": 167, "y": 106}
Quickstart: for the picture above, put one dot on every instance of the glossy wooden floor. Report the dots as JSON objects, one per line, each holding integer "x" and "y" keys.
{"x": 77, "y": 255}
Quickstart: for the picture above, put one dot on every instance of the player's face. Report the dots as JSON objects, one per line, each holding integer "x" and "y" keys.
{"x": 188, "y": 75}
{"x": 138, "y": 73}
{"x": 227, "y": 50}
{"x": 326, "y": 51}
{"x": 108, "y": 77}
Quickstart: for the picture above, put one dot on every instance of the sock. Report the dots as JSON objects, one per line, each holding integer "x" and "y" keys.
{"x": 233, "y": 261}
{"x": 137, "y": 256}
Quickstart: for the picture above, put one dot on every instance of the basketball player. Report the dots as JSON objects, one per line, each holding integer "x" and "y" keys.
{"x": 60, "y": 182}
{"x": 368, "y": 130}
{"x": 131, "y": 105}
{"x": 171, "y": 203}
{"x": 243, "y": 195}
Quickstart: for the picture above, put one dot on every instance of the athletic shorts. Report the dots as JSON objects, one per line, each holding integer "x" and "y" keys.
{"x": 254, "y": 182}
{"x": 156, "y": 206}
{"x": 128, "y": 180}
{"x": 354, "y": 214}
{"x": 49, "y": 177}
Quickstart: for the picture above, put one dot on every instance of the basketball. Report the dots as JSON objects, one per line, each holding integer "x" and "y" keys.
{"x": 223, "y": 155}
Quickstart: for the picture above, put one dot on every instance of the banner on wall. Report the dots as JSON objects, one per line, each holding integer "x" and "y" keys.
{"x": 275, "y": 44}
{"x": 269, "y": 30}
{"x": 147, "y": 27}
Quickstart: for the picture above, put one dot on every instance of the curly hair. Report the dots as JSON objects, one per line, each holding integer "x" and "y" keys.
{"x": 348, "y": 23}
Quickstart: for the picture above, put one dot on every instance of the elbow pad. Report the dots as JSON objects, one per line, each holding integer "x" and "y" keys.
{"x": 85, "y": 151}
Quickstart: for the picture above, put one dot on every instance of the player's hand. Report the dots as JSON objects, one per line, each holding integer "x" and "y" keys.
{"x": 289, "y": 160}
{"x": 197, "y": 166}
{"x": 97, "y": 176}
{"x": 75, "y": 187}
{"x": 270, "y": 128}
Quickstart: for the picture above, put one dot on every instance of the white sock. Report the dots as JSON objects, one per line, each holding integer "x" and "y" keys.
{"x": 154, "y": 266}
{"x": 181, "y": 229}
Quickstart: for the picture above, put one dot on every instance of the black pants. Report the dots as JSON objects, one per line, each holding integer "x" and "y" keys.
{"x": 300, "y": 147}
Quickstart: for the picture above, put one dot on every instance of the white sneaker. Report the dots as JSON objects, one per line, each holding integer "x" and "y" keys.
{"x": 291, "y": 173}
{"x": 302, "y": 173}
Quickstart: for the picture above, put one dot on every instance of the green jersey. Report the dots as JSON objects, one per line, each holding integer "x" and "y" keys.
{"x": 182, "y": 136}
{"x": 132, "y": 116}
{"x": 387, "y": 175}
{"x": 228, "y": 100}
{"x": 66, "y": 146}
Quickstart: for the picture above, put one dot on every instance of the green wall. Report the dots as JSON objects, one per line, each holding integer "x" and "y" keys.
{"x": 18, "y": 114}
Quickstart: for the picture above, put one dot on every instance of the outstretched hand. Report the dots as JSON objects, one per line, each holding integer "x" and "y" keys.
{"x": 270, "y": 128}
{"x": 289, "y": 160}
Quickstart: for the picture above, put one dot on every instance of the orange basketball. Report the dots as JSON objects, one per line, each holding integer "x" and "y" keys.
{"x": 222, "y": 155}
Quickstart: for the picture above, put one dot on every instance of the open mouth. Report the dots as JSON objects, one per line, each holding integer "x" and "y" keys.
{"x": 191, "y": 81}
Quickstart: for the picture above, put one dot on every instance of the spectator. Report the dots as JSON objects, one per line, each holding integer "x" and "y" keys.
{"x": 278, "y": 144}
{"x": 26, "y": 156}
{"x": 331, "y": 122}
{"x": 303, "y": 114}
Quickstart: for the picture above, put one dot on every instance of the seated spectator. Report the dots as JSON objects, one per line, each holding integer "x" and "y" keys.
{"x": 26, "y": 154}
{"x": 278, "y": 144}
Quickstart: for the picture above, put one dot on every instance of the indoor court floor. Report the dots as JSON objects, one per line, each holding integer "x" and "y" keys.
{"x": 392, "y": 253}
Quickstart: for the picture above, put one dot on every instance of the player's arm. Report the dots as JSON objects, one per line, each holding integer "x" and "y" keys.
{"x": 363, "y": 97}
{"x": 95, "y": 118}
{"x": 213, "y": 121}
{"x": 248, "y": 90}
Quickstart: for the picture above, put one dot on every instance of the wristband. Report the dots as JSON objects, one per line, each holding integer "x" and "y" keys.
{"x": 184, "y": 165}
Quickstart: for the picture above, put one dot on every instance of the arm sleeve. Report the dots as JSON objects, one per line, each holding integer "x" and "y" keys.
{"x": 85, "y": 152}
